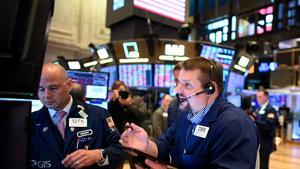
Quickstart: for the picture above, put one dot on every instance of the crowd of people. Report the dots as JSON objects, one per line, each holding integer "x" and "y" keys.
{"x": 197, "y": 128}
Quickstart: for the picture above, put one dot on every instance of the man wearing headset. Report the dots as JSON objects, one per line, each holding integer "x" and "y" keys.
{"x": 211, "y": 134}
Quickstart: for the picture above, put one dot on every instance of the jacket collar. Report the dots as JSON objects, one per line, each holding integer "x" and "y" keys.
{"x": 214, "y": 112}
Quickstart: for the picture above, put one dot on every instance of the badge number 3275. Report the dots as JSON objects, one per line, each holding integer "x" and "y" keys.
{"x": 77, "y": 122}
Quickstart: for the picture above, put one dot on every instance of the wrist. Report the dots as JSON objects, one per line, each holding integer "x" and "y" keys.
{"x": 103, "y": 157}
{"x": 148, "y": 146}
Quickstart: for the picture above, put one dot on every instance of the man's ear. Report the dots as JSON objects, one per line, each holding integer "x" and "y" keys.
{"x": 214, "y": 84}
{"x": 69, "y": 84}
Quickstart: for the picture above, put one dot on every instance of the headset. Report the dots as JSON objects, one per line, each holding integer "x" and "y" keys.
{"x": 209, "y": 88}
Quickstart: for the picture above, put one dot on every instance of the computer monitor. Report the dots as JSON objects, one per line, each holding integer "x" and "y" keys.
{"x": 235, "y": 83}
{"x": 136, "y": 75}
{"x": 163, "y": 75}
{"x": 36, "y": 105}
{"x": 113, "y": 74}
{"x": 235, "y": 100}
{"x": 94, "y": 83}
{"x": 222, "y": 55}
{"x": 277, "y": 100}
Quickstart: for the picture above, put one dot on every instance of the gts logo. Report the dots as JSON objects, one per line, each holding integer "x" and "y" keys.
{"x": 40, "y": 164}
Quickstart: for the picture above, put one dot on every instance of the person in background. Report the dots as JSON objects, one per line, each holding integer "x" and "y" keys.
{"x": 159, "y": 116}
{"x": 78, "y": 92}
{"x": 124, "y": 107}
{"x": 173, "y": 107}
{"x": 70, "y": 134}
{"x": 212, "y": 133}
{"x": 266, "y": 120}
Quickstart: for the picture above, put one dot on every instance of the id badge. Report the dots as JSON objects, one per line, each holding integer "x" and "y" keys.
{"x": 77, "y": 122}
{"x": 201, "y": 131}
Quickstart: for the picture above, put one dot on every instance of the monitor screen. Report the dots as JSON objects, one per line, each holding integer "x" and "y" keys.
{"x": 94, "y": 83}
{"x": 163, "y": 75}
{"x": 235, "y": 83}
{"x": 277, "y": 100}
{"x": 105, "y": 54}
{"x": 36, "y": 105}
{"x": 235, "y": 100}
{"x": 219, "y": 54}
{"x": 167, "y": 12}
{"x": 136, "y": 75}
{"x": 243, "y": 61}
{"x": 172, "y": 9}
{"x": 113, "y": 74}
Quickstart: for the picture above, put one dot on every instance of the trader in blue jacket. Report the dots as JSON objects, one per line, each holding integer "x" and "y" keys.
{"x": 266, "y": 121}
{"x": 67, "y": 133}
{"x": 211, "y": 134}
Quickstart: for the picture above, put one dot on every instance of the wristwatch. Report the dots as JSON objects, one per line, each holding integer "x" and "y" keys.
{"x": 103, "y": 154}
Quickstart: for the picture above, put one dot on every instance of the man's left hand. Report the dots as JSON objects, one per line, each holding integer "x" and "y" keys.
{"x": 81, "y": 158}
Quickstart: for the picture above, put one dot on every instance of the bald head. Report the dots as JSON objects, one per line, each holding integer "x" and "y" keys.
{"x": 78, "y": 92}
{"x": 166, "y": 100}
{"x": 54, "y": 70}
{"x": 55, "y": 87}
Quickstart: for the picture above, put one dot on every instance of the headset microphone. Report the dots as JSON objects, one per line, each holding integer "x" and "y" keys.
{"x": 184, "y": 99}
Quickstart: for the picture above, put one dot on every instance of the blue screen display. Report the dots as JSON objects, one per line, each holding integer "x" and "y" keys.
{"x": 221, "y": 55}
{"x": 235, "y": 83}
{"x": 95, "y": 83}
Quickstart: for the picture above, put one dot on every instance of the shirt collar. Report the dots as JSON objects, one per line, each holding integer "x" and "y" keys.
{"x": 196, "y": 119}
{"x": 66, "y": 109}
{"x": 264, "y": 105}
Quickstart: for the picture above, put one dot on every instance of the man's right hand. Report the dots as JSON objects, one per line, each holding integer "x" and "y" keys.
{"x": 135, "y": 137}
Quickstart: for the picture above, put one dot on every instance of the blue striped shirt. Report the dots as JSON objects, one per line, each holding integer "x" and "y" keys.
{"x": 196, "y": 119}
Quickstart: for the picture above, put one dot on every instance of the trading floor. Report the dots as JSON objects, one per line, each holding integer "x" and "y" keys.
{"x": 287, "y": 156}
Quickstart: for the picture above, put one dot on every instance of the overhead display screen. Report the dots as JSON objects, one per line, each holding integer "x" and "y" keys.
{"x": 219, "y": 54}
{"x": 163, "y": 75}
{"x": 172, "y": 9}
{"x": 168, "y": 12}
{"x": 136, "y": 75}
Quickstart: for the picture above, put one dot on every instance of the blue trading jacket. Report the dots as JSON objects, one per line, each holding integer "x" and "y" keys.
{"x": 266, "y": 124}
{"x": 48, "y": 149}
{"x": 232, "y": 140}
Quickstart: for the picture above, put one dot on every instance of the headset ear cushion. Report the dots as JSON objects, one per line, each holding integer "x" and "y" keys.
{"x": 209, "y": 88}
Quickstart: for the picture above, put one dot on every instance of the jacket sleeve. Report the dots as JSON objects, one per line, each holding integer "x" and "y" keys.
{"x": 235, "y": 145}
{"x": 268, "y": 121}
{"x": 112, "y": 146}
{"x": 167, "y": 140}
